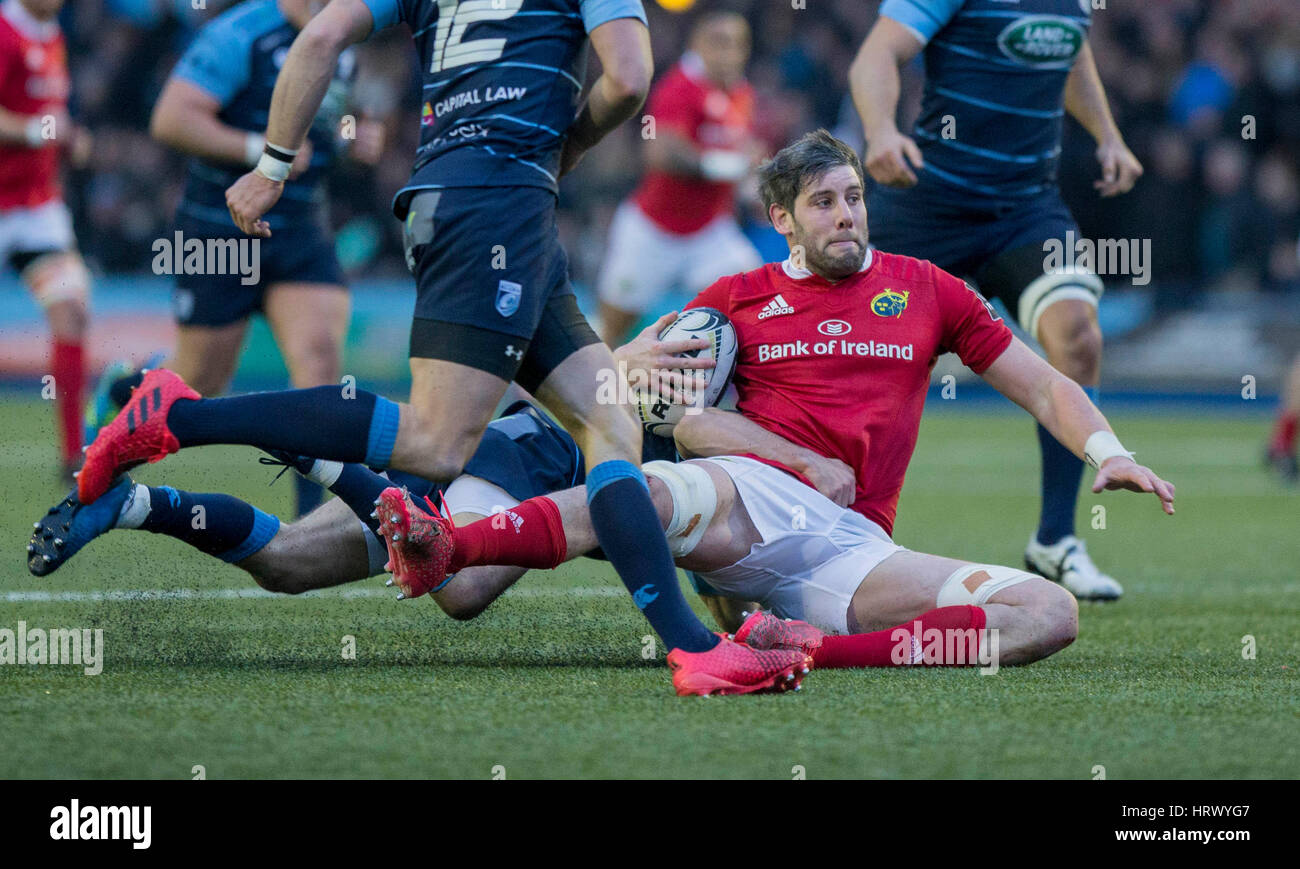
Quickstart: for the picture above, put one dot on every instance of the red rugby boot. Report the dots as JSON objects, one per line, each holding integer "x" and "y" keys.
{"x": 730, "y": 668}
{"x": 138, "y": 433}
{"x": 763, "y": 630}
{"x": 420, "y": 544}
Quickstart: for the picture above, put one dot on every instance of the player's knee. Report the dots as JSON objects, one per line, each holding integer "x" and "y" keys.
{"x": 281, "y": 578}
{"x": 1078, "y": 347}
{"x": 1055, "y": 615}
{"x": 315, "y": 360}
{"x": 1060, "y": 615}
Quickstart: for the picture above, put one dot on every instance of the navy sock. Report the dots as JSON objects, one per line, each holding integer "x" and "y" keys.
{"x": 307, "y": 496}
{"x": 318, "y": 422}
{"x": 627, "y": 527}
{"x": 417, "y": 486}
{"x": 224, "y": 526}
{"x": 1062, "y": 472}
{"x": 358, "y": 487}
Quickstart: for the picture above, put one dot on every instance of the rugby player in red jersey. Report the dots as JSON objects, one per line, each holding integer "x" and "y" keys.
{"x": 678, "y": 229}
{"x": 841, "y": 374}
{"x": 36, "y": 238}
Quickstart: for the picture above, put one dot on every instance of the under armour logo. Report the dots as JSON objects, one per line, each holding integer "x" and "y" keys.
{"x": 511, "y": 351}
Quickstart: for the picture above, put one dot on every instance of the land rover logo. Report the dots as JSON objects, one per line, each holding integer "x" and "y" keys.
{"x": 1045, "y": 41}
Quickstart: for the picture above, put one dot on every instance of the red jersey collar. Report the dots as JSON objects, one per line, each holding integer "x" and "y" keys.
{"x": 798, "y": 273}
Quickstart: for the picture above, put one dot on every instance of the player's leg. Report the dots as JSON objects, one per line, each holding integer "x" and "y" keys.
{"x": 42, "y": 249}
{"x": 329, "y": 546}
{"x": 1056, "y": 304}
{"x": 205, "y": 356}
{"x": 641, "y": 263}
{"x": 623, "y": 515}
{"x": 60, "y": 283}
{"x": 309, "y": 320}
{"x": 1282, "y": 443}
{"x": 1033, "y": 617}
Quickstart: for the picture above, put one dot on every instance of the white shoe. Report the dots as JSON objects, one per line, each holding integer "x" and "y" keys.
{"x": 1066, "y": 561}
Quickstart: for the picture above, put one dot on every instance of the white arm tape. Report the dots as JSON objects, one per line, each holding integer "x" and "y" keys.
{"x": 34, "y": 133}
{"x": 253, "y": 145}
{"x": 1103, "y": 445}
{"x": 273, "y": 168}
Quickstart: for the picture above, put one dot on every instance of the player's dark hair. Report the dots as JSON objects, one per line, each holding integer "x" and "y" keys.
{"x": 801, "y": 163}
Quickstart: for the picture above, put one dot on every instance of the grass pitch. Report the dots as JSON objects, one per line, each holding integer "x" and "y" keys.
{"x": 551, "y": 681}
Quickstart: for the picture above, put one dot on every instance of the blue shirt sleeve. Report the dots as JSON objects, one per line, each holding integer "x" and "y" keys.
{"x": 597, "y": 12}
{"x": 217, "y": 60}
{"x": 385, "y": 12}
{"x": 923, "y": 17}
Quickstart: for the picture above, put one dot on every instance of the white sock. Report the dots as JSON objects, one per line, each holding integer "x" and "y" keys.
{"x": 324, "y": 473}
{"x": 135, "y": 509}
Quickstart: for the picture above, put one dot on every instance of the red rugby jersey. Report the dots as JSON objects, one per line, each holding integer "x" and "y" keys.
{"x": 33, "y": 81}
{"x": 842, "y": 368}
{"x": 690, "y": 105}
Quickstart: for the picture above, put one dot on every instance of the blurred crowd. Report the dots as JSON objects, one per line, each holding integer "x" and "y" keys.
{"x": 1206, "y": 93}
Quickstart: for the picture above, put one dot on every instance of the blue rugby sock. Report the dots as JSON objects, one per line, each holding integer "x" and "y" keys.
{"x": 318, "y": 422}
{"x": 359, "y": 488}
{"x": 1062, "y": 472}
{"x": 217, "y": 524}
{"x": 627, "y": 527}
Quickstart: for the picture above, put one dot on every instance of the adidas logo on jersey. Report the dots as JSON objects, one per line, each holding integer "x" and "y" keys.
{"x": 775, "y": 308}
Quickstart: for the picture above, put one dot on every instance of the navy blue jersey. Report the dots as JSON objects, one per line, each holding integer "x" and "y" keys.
{"x": 502, "y": 81}
{"x": 236, "y": 58}
{"x": 995, "y": 71}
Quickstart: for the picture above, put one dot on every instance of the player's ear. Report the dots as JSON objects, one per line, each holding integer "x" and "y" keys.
{"x": 782, "y": 220}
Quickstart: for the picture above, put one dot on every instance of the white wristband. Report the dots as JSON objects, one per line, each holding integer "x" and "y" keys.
{"x": 723, "y": 165}
{"x": 253, "y": 145}
{"x": 1103, "y": 445}
{"x": 34, "y": 133}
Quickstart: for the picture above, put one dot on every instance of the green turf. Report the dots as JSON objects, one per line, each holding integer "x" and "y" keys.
{"x": 551, "y": 682}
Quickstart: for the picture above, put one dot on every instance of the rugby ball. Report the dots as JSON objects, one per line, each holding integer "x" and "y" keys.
{"x": 660, "y": 416}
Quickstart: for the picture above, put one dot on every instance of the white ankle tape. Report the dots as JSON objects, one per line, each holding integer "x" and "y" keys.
{"x": 135, "y": 509}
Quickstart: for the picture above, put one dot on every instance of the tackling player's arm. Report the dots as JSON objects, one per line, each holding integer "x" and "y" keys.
{"x": 299, "y": 90}
{"x": 874, "y": 85}
{"x": 1065, "y": 410}
{"x": 714, "y": 432}
{"x": 1085, "y": 100}
{"x": 623, "y": 46}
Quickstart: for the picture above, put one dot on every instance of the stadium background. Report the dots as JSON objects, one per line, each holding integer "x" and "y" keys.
{"x": 1222, "y": 210}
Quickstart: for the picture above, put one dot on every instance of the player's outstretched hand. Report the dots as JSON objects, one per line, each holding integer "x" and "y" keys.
{"x": 669, "y": 374}
{"x": 249, "y": 198}
{"x": 831, "y": 477}
{"x": 1120, "y": 170}
{"x": 1119, "y": 472}
{"x": 888, "y": 160}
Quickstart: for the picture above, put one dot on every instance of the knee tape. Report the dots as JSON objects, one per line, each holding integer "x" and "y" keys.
{"x": 694, "y": 502}
{"x": 58, "y": 277}
{"x": 1043, "y": 292}
{"x": 974, "y": 584}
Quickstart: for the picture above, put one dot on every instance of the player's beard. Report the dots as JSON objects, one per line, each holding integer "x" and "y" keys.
{"x": 829, "y": 265}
